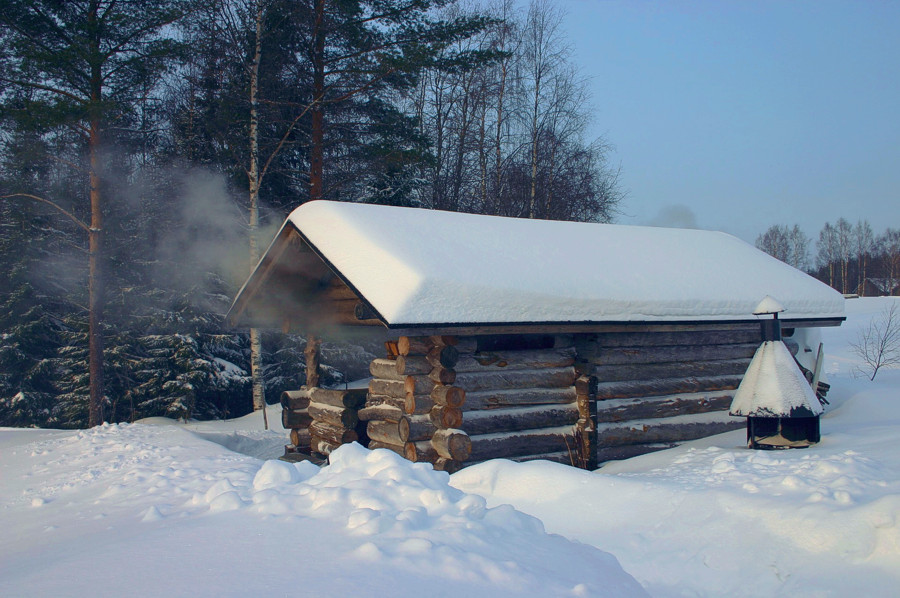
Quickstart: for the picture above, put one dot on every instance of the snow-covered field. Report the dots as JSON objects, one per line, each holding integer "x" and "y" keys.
{"x": 162, "y": 509}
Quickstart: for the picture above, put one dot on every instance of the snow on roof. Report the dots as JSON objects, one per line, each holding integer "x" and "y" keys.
{"x": 774, "y": 386}
{"x": 420, "y": 267}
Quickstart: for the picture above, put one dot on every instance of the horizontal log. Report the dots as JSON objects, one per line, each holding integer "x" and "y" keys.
{"x": 451, "y": 396}
{"x": 295, "y": 418}
{"x": 415, "y": 427}
{"x": 462, "y": 344}
{"x": 446, "y": 417}
{"x": 400, "y": 449}
{"x": 384, "y": 431}
{"x": 418, "y": 404}
{"x": 352, "y": 398}
{"x": 515, "y": 379}
{"x": 442, "y": 375}
{"x": 620, "y": 410}
{"x": 741, "y": 334}
{"x": 452, "y": 444}
{"x": 381, "y": 412}
{"x": 665, "y": 431}
{"x": 617, "y": 453}
{"x": 336, "y": 416}
{"x": 414, "y": 345}
{"x": 516, "y": 360}
{"x": 295, "y": 399}
{"x": 300, "y": 438}
{"x": 333, "y": 434}
{"x": 649, "y": 371}
{"x": 444, "y": 357}
{"x": 423, "y": 385}
{"x": 664, "y": 386}
{"x": 385, "y": 369}
{"x": 391, "y": 388}
{"x": 412, "y": 365}
{"x": 667, "y": 354}
{"x": 448, "y": 465}
{"x": 507, "y": 420}
{"x": 424, "y": 452}
{"x": 521, "y": 443}
{"x": 376, "y": 400}
{"x": 664, "y": 354}
{"x": 322, "y": 446}
{"x": 496, "y": 399}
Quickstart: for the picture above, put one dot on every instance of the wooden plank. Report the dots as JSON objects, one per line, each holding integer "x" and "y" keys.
{"x": 616, "y": 453}
{"x": 516, "y": 360}
{"x": 496, "y": 399}
{"x": 515, "y": 419}
{"x": 620, "y": 410}
{"x": 664, "y": 386}
{"x": 516, "y": 379}
{"x": 648, "y": 371}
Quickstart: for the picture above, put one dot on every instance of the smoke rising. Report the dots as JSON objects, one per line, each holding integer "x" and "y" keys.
{"x": 674, "y": 216}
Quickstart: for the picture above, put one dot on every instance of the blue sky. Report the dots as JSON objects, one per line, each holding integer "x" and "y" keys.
{"x": 740, "y": 115}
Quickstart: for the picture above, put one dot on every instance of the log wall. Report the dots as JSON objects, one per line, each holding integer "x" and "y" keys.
{"x": 580, "y": 399}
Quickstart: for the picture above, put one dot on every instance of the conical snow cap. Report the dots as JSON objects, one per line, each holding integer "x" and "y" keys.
{"x": 769, "y": 305}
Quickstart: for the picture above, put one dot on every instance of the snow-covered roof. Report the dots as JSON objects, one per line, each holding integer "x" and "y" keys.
{"x": 416, "y": 267}
{"x": 774, "y": 386}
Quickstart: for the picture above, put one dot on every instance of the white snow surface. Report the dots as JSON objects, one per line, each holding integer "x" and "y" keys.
{"x": 774, "y": 386}
{"x": 158, "y": 510}
{"x": 430, "y": 267}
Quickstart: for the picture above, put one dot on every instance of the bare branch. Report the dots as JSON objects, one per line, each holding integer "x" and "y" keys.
{"x": 74, "y": 218}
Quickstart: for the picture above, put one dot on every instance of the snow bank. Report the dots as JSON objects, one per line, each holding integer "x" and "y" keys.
{"x": 170, "y": 514}
{"x": 431, "y": 267}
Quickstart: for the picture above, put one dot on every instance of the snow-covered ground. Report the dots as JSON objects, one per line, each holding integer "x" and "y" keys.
{"x": 172, "y": 510}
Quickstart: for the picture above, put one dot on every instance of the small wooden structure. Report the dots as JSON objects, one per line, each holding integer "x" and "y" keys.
{"x": 520, "y": 339}
{"x": 780, "y": 405}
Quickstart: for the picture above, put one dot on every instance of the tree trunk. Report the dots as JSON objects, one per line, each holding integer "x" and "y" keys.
{"x": 258, "y": 384}
{"x": 316, "y": 162}
{"x": 95, "y": 241}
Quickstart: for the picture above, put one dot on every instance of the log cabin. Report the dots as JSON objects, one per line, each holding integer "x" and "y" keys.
{"x": 523, "y": 339}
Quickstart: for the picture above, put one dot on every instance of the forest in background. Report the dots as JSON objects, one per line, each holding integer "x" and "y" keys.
{"x": 150, "y": 149}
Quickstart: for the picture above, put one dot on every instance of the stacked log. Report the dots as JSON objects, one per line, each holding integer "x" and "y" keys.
{"x": 334, "y": 418}
{"x": 295, "y": 417}
{"x": 412, "y": 398}
{"x": 520, "y": 401}
{"x": 653, "y": 390}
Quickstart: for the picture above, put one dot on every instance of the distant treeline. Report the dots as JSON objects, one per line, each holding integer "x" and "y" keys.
{"x": 149, "y": 148}
{"x": 850, "y": 258}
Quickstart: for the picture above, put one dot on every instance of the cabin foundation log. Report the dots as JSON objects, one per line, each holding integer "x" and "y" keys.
{"x": 335, "y": 416}
{"x": 350, "y": 399}
{"x": 333, "y": 434}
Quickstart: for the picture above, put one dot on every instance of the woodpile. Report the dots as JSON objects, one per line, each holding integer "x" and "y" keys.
{"x": 320, "y": 419}
{"x": 413, "y": 406}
